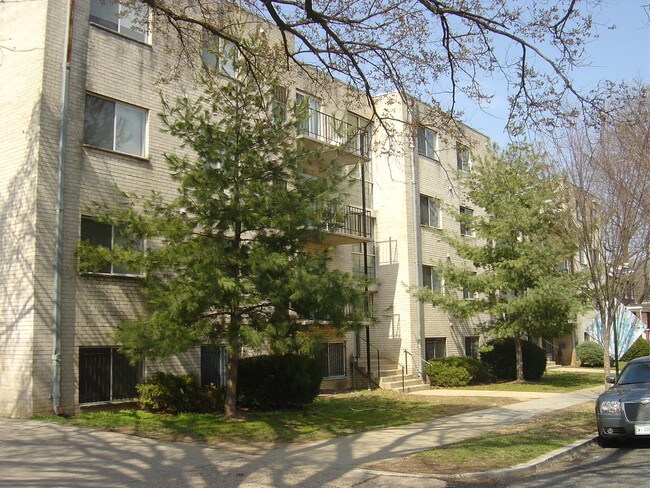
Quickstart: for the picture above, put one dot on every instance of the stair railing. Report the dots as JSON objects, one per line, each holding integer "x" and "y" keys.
{"x": 385, "y": 356}
{"x": 414, "y": 358}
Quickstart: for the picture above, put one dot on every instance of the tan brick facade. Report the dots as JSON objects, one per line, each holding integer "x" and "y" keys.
{"x": 112, "y": 66}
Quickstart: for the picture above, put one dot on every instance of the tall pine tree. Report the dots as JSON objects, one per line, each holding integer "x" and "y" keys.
{"x": 523, "y": 240}
{"x": 229, "y": 262}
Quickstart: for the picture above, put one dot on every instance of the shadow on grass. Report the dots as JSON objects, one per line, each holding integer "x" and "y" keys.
{"x": 327, "y": 417}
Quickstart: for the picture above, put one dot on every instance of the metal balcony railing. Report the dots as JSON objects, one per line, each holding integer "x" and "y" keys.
{"x": 350, "y": 220}
{"x": 337, "y": 132}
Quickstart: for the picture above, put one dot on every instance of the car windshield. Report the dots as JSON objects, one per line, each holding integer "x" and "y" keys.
{"x": 635, "y": 373}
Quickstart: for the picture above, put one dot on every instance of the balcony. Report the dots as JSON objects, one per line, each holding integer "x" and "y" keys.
{"x": 340, "y": 140}
{"x": 347, "y": 224}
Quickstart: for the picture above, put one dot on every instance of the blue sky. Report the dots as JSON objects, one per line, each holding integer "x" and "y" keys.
{"x": 619, "y": 54}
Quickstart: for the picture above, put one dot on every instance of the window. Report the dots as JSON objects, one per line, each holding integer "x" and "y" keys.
{"x": 582, "y": 257}
{"x": 471, "y": 346}
{"x": 129, "y": 20}
{"x": 435, "y": 347}
{"x": 462, "y": 158}
{"x": 430, "y": 279}
{"x": 105, "y": 374}
{"x": 465, "y": 226}
{"x": 105, "y": 235}
{"x": 361, "y": 130}
{"x": 311, "y": 125}
{"x": 114, "y": 126}
{"x": 429, "y": 211}
{"x": 334, "y": 359}
{"x": 468, "y": 294}
{"x": 219, "y": 53}
{"x": 357, "y": 260}
{"x": 213, "y": 365}
{"x": 427, "y": 143}
{"x": 279, "y": 104}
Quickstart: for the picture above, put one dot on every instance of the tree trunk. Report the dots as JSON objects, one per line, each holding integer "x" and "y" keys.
{"x": 607, "y": 334}
{"x": 230, "y": 406}
{"x": 519, "y": 359}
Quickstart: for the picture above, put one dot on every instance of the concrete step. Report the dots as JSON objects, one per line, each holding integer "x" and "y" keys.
{"x": 391, "y": 385}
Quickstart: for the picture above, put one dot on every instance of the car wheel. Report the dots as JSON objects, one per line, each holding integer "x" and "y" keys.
{"x": 607, "y": 441}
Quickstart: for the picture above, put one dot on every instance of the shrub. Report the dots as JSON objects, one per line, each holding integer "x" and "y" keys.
{"x": 478, "y": 371}
{"x": 276, "y": 382}
{"x": 446, "y": 375}
{"x": 640, "y": 348}
{"x": 168, "y": 393}
{"x": 502, "y": 358}
{"x": 590, "y": 354}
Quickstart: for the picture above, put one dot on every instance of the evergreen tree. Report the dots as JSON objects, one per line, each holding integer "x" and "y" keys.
{"x": 523, "y": 241}
{"x": 228, "y": 263}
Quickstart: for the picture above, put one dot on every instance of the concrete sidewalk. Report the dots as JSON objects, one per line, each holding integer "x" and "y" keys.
{"x": 401, "y": 441}
{"x": 34, "y": 453}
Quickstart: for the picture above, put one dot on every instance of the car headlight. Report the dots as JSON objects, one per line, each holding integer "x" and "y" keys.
{"x": 613, "y": 406}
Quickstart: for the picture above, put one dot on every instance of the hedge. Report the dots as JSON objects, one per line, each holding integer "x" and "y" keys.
{"x": 502, "y": 358}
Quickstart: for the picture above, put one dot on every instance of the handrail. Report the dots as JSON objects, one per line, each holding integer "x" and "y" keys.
{"x": 385, "y": 356}
{"x": 408, "y": 353}
{"x": 549, "y": 343}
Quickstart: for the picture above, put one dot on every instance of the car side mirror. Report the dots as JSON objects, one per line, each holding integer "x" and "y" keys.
{"x": 610, "y": 378}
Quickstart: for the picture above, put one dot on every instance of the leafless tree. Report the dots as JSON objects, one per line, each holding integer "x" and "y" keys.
{"x": 608, "y": 166}
{"x": 432, "y": 49}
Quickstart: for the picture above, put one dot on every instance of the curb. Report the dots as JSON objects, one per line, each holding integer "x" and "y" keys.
{"x": 518, "y": 471}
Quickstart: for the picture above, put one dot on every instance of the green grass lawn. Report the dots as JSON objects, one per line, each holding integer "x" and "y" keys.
{"x": 506, "y": 447}
{"x": 552, "y": 381}
{"x": 328, "y": 416}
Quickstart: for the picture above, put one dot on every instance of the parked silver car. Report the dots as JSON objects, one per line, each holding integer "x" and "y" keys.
{"x": 623, "y": 411}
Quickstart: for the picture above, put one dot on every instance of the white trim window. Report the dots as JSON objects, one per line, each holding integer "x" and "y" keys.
{"x": 431, "y": 279}
{"x": 463, "y": 161}
{"x": 465, "y": 228}
{"x": 311, "y": 126}
{"x": 130, "y": 20}
{"x": 468, "y": 295}
{"x": 99, "y": 234}
{"x": 219, "y": 54}
{"x": 427, "y": 143}
{"x": 429, "y": 211}
{"x": 115, "y": 126}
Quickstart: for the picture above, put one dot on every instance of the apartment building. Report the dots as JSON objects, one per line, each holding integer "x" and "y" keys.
{"x": 81, "y": 93}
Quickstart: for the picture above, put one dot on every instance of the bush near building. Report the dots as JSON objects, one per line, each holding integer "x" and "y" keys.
{"x": 501, "y": 357}
{"x": 457, "y": 371}
{"x": 174, "y": 394}
{"x": 640, "y": 348}
{"x": 276, "y": 382}
{"x": 590, "y": 354}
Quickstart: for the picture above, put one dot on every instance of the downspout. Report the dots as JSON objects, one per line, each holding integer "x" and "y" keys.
{"x": 58, "y": 229}
{"x": 364, "y": 231}
{"x": 415, "y": 188}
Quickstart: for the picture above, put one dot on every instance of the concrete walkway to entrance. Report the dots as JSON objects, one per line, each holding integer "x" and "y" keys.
{"x": 34, "y": 453}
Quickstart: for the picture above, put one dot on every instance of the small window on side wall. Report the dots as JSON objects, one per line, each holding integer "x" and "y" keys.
{"x": 466, "y": 215}
{"x": 219, "y": 54}
{"x": 431, "y": 279}
{"x": 462, "y": 158}
{"x": 429, "y": 211}
{"x": 129, "y": 18}
{"x": 114, "y": 126}
{"x": 99, "y": 234}
{"x": 427, "y": 143}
